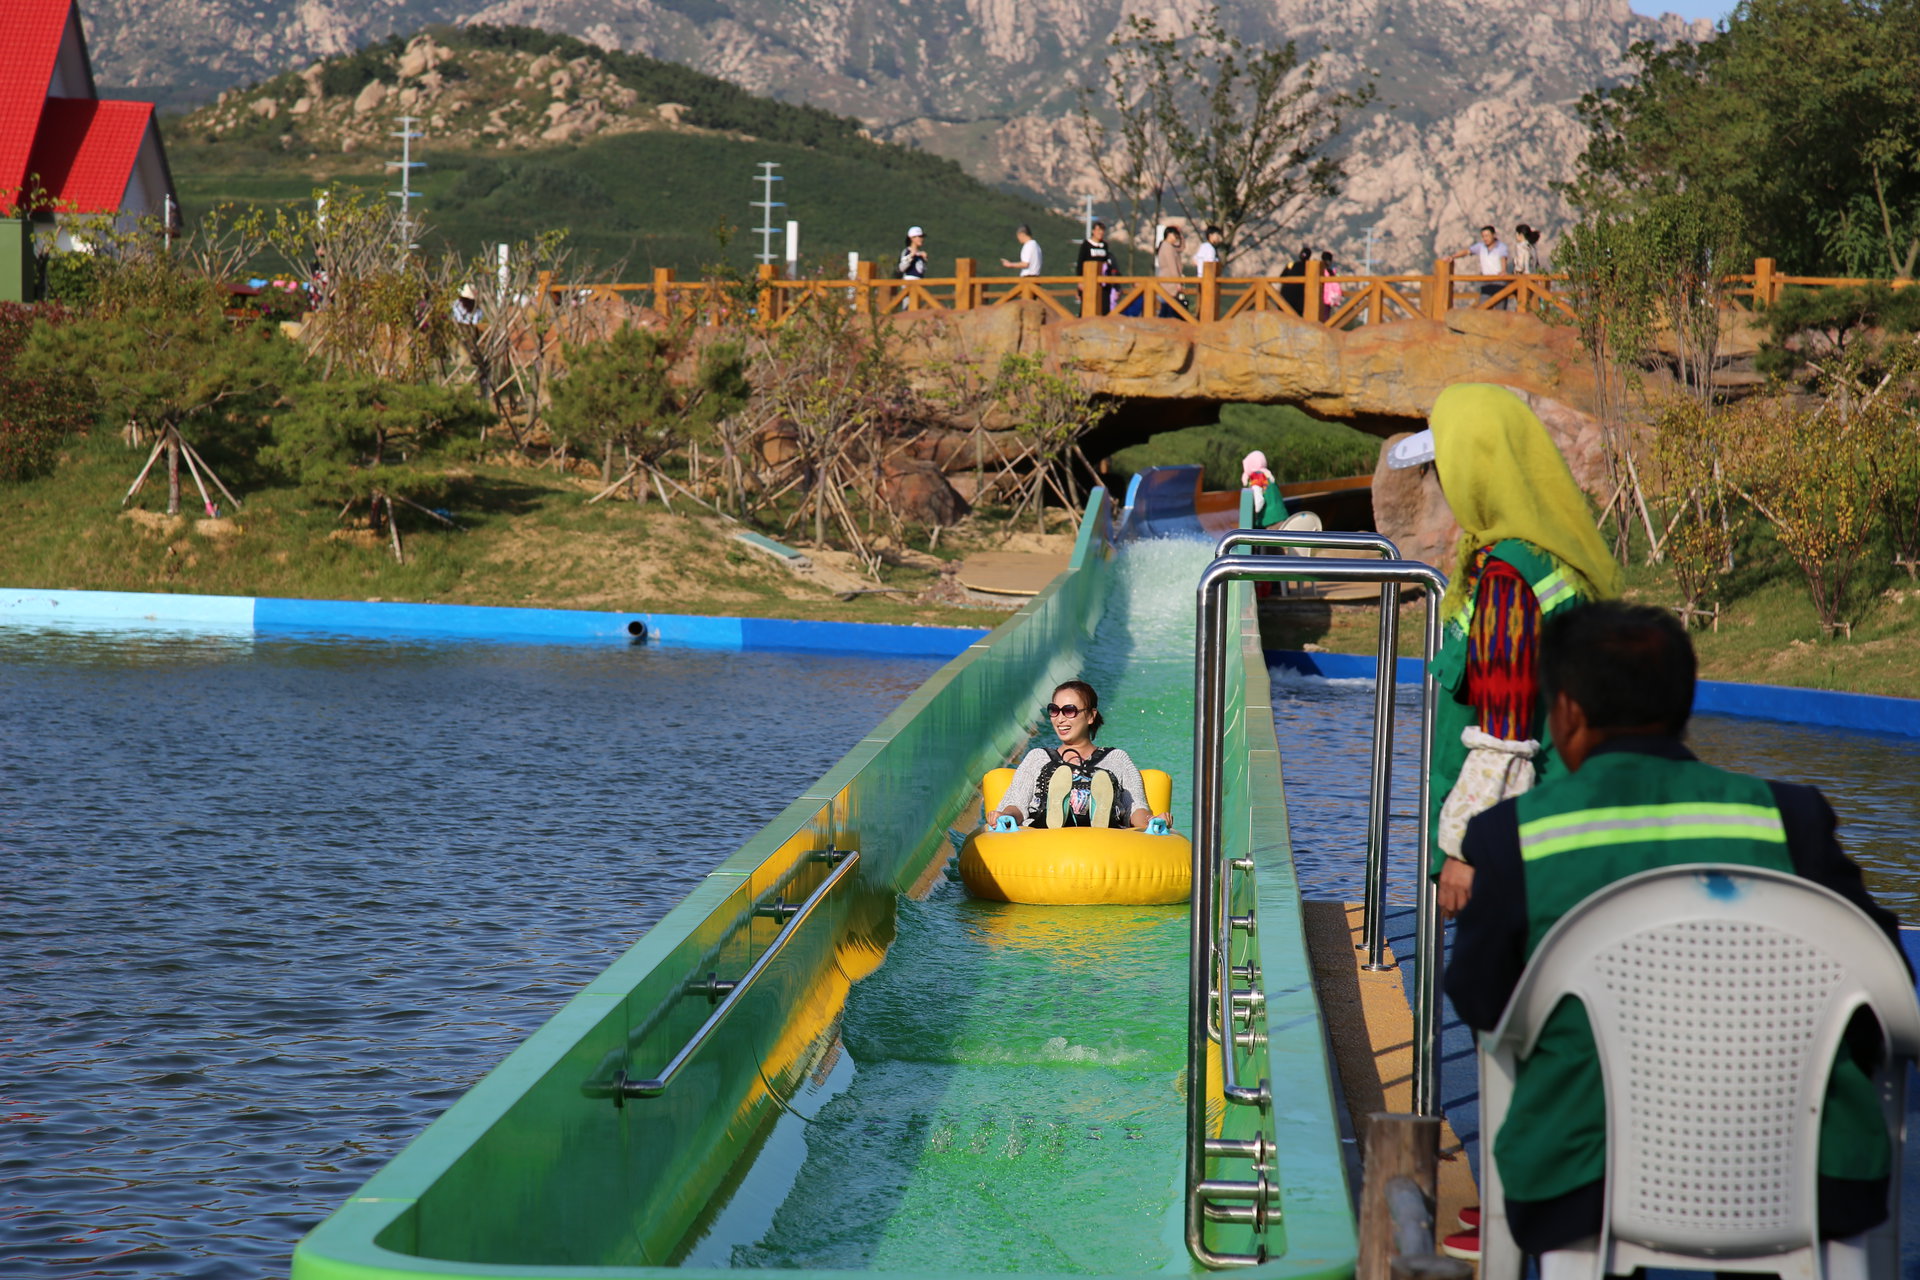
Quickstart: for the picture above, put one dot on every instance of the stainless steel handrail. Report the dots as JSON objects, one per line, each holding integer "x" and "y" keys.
{"x": 624, "y": 1086}
{"x": 1373, "y": 914}
{"x": 1211, "y": 971}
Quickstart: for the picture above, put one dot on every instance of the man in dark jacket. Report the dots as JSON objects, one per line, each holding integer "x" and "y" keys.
{"x": 1619, "y": 683}
{"x": 1094, "y": 249}
{"x": 1293, "y": 282}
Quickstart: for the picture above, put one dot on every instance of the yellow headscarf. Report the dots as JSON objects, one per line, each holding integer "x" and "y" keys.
{"x": 1504, "y": 478}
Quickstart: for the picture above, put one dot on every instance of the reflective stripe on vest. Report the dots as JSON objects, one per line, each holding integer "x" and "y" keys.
{"x": 1553, "y": 590}
{"x": 1635, "y": 824}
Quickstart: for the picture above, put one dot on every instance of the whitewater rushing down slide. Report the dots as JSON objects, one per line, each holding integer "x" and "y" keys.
{"x": 829, "y": 1058}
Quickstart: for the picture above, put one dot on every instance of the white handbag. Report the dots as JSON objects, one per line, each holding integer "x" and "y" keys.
{"x": 1496, "y": 769}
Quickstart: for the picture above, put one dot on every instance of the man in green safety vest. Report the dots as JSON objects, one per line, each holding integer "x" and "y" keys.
{"x": 1618, "y": 680}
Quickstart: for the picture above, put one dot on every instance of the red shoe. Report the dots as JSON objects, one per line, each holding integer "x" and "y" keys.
{"x": 1465, "y": 1246}
{"x": 1470, "y": 1218}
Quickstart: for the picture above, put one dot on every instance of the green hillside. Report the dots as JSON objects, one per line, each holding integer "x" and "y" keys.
{"x": 639, "y": 183}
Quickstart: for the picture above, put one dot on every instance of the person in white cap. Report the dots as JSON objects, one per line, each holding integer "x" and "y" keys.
{"x": 913, "y": 258}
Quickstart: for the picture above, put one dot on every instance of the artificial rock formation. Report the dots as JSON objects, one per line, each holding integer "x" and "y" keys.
{"x": 1379, "y": 377}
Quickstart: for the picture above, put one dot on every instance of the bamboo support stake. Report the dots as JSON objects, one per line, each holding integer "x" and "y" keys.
{"x": 393, "y": 528}
{"x": 612, "y": 488}
{"x": 206, "y": 503}
{"x": 142, "y": 477}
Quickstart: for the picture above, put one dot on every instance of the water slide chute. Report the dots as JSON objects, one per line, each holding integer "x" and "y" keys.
{"x": 828, "y": 1058}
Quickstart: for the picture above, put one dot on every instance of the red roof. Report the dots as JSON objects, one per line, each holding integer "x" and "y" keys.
{"x": 34, "y": 29}
{"x": 85, "y": 151}
{"x": 80, "y": 151}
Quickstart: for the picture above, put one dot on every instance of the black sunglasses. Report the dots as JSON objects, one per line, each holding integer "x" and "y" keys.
{"x": 1068, "y": 711}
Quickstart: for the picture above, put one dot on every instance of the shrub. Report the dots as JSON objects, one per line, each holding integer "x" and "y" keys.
{"x": 1690, "y": 447}
{"x": 1809, "y": 474}
{"x": 1298, "y": 447}
{"x": 37, "y": 408}
{"x": 1824, "y": 322}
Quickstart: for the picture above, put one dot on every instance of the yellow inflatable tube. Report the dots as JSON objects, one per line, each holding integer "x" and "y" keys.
{"x": 1078, "y": 866}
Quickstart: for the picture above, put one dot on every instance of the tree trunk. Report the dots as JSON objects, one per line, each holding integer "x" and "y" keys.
{"x": 606, "y": 464}
{"x": 173, "y": 472}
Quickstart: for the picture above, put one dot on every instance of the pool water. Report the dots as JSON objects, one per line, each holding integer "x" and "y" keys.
{"x": 1326, "y": 727}
{"x": 271, "y": 906}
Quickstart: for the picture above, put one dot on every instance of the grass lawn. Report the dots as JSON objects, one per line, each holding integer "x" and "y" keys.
{"x": 527, "y": 538}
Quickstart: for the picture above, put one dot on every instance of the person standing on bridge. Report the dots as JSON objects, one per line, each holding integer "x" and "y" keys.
{"x": 1209, "y": 250}
{"x": 1168, "y": 260}
{"x": 1493, "y": 257}
{"x": 913, "y": 258}
{"x": 1028, "y": 263}
{"x": 1293, "y": 283}
{"x": 1094, "y": 249}
{"x": 1526, "y": 251}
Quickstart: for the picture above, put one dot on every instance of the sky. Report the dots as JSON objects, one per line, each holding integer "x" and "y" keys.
{"x": 1714, "y": 9}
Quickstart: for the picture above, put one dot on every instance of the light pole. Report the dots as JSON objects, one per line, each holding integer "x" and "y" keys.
{"x": 1384, "y": 235}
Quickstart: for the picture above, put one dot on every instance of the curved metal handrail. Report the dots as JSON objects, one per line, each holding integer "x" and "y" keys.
{"x": 730, "y": 993}
{"x": 1373, "y": 912}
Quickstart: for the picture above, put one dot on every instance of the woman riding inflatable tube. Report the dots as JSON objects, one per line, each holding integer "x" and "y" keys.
{"x": 1528, "y": 549}
{"x": 1076, "y": 784}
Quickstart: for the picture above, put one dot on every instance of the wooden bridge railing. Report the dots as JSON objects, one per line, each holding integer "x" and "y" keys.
{"x": 1364, "y": 299}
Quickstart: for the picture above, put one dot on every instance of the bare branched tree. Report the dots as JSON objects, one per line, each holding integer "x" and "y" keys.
{"x": 1237, "y": 135}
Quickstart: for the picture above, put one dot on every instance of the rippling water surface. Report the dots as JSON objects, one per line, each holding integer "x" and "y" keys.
{"x": 270, "y": 906}
{"x": 1326, "y": 726}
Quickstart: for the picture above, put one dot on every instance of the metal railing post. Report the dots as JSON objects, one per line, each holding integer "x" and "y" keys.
{"x": 1211, "y": 923}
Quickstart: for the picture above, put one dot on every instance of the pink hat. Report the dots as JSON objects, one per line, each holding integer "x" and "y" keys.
{"x": 1255, "y": 461}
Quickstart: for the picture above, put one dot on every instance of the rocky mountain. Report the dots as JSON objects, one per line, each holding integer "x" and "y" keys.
{"x": 1474, "y": 120}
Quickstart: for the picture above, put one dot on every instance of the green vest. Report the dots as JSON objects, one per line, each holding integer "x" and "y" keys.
{"x": 1622, "y": 814}
{"x": 1554, "y": 588}
{"x": 1274, "y": 510}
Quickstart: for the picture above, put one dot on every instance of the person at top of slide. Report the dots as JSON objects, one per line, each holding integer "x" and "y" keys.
{"x": 1076, "y": 784}
{"x": 1269, "y": 508}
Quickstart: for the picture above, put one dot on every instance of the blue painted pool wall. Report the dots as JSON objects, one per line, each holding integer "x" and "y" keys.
{"x": 1821, "y": 707}
{"x": 107, "y": 609}
{"x": 270, "y": 615}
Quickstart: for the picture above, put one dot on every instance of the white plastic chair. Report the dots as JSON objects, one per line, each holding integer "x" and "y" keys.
{"x": 1718, "y": 996}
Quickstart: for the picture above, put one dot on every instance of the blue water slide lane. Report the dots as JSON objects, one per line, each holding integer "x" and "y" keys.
{"x": 1824, "y": 708}
{"x": 1160, "y": 503}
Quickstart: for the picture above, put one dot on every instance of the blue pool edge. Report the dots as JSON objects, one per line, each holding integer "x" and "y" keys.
{"x": 1822, "y": 708}
{"x": 267, "y": 615}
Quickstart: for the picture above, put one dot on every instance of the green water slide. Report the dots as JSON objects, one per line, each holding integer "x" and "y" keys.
{"x": 828, "y": 1059}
